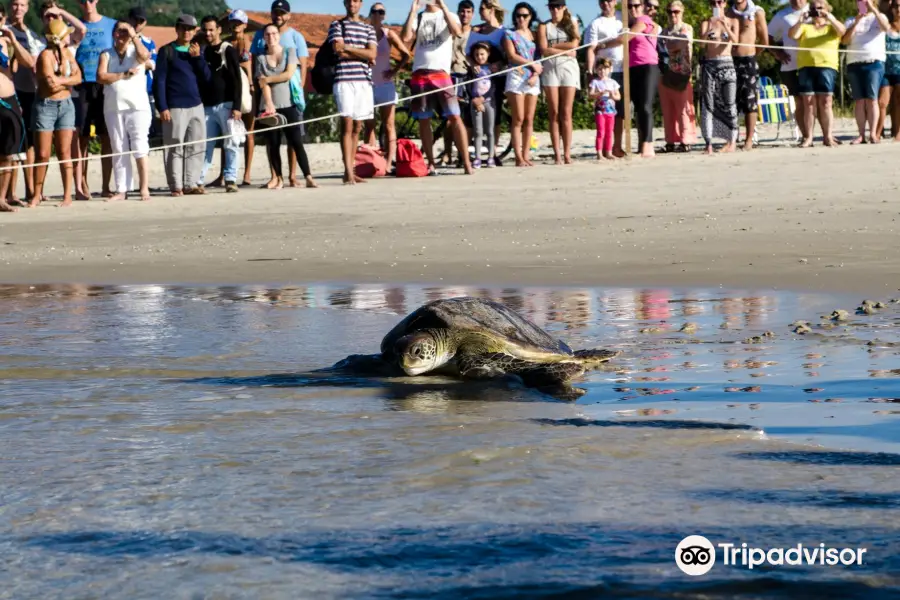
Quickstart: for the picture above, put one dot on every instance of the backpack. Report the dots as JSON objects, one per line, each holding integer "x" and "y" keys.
{"x": 325, "y": 66}
{"x": 246, "y": 98}
{"x": 410, "y": 162}
{"x": 369, "y": 162}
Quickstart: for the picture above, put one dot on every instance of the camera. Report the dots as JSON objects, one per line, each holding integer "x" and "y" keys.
{"x": 813, "y": 13}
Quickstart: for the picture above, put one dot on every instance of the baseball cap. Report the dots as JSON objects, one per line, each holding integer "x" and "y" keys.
{"x": 281, "y": 6}
{"x": 238, "y": 15}
{"x": 186, "y": 21}
{"x": 137, "y": 13}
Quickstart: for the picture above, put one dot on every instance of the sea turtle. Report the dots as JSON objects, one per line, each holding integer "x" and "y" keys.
{"x": 481, "y": 339}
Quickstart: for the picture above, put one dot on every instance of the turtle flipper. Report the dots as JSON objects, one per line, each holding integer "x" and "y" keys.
{"x": 534, "y": 374}
{"x": 595, "y": 356}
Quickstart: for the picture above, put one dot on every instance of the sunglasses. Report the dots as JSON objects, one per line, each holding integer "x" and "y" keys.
{"x": 523, "y": 16}
{"x": 555, "y": 6}
{"x": 635, "y": 5}
{"x": 379, "y": 11}
{"x": 674, "y": 12}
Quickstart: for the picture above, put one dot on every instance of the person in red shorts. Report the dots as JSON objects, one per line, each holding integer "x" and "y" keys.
{"x": 433, "y": 31}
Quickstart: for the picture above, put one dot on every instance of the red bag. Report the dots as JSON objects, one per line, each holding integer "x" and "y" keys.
{"x": 369, "y": 162}
{"x": 410, "y": 162}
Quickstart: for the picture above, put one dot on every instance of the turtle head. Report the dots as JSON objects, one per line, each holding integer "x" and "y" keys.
{"x": 420, "y": 352}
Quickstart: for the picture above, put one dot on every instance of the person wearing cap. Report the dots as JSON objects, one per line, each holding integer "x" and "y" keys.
{"x": 237, "y": 22}
{"x": 290, "y": 39}
{"x": 54, "y": 112}
{"x": 99, "y": 37}
{"x": 180, "y": 72}
{"x": 561, "y": 78}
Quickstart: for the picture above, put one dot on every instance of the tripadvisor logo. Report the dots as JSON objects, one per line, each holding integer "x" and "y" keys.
{"x": 695, "y": 555}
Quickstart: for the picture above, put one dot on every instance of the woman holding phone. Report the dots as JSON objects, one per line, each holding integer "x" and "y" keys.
{"x": 819, "y": 35}
{"x": 865, "y": 38}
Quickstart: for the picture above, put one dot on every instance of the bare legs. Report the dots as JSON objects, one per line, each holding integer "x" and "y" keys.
{"x": 826, "y": 117}
{"x": 884, "y": 100}
{"x": 43, "y": 142}
{"x": 370, "y": 134}
{"x": 249, "y": 146}
{"x": 350, "y": 130}
{"x": 5, "y": 180}
{"x": 552, "y": 95}
{"x": 63, "y": 139}
{"x": 566, "y": 100}
{"x": 750, "y": 123}
{"x": 522, "y": 107}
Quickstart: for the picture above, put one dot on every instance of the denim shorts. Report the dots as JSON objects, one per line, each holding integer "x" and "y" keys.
{"x": 865, "y": 79}
{"x": 53, "y": 115}
{"x": 816, "y": 80}
{"x": 890, "y": 80}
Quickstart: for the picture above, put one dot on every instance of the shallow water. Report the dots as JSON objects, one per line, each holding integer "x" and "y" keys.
{"x": 170, "y": 442}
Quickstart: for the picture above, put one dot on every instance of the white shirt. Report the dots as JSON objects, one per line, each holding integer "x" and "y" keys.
{"x": 604, "y": 29}
{"x": 434, "y": 42}
{"x": 781, "y": 23}
{"x": 868, "y": 37}
{"x": 125, "y": 94}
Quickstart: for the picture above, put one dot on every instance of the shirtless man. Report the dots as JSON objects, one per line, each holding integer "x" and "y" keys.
{"x": 752, "y": 30}
{"x": 718, "y": 113}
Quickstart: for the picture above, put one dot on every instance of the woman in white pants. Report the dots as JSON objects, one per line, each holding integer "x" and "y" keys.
{"x": 126, "y": 107}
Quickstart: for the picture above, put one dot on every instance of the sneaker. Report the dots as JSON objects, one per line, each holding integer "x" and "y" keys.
{"x": 490, "y": 164}
{"x": 476, "y": 164}
{"x": 498, "y": 162}
{"x": 230, "y": 187}
{"x": 195, "y": 191}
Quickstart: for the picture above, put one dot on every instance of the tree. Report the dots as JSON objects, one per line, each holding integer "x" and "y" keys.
{"x": 159, "y": 12}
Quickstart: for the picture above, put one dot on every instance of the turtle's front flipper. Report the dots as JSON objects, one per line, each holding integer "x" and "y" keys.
{"x": 373, "y": 365}
{"x": 595, "y": 356}
{"x": 533, "y": 374}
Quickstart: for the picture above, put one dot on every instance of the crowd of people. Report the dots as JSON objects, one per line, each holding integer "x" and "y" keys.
{"x": 95, "y": 75}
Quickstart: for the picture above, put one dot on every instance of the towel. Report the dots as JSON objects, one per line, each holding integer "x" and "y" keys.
{"x": 748, "y": 13}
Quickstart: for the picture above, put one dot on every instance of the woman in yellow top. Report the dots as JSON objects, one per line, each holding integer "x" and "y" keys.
{"x": 819, "y": 34}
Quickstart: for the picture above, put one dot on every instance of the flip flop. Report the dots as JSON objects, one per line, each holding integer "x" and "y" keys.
{"x": 271, "y": 120}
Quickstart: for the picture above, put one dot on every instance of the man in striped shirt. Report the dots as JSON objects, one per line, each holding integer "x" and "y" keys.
{"x": 355, "y": 45}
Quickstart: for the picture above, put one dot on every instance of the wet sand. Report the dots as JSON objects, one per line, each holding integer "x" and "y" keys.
{"x": 817, "y": 219}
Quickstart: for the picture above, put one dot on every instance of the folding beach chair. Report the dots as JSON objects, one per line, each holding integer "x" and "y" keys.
{"x": 776, "y": 106}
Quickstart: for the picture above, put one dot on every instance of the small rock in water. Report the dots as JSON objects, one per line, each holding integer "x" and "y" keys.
{"x": 688, "y": 328}
{"x": 651, "y": 330}
{"x": 802, "y": 328}
{"x": 838, "y": 315}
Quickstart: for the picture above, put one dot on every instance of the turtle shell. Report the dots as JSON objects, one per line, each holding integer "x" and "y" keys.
{"x": 475, "y": 314}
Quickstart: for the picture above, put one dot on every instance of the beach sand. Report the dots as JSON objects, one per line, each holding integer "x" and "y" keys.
{"x": 777, "y": 217}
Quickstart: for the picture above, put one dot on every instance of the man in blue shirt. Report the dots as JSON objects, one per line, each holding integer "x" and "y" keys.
{"x": 181, "y": 71}
{"x": 290, "y": 38}
{"x": 89, "y": 111}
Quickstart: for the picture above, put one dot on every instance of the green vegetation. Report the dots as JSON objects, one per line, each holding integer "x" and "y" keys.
{"x": 158, "y": 13}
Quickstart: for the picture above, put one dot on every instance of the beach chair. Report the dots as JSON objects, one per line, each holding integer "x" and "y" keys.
{"x": 776, "y": 107}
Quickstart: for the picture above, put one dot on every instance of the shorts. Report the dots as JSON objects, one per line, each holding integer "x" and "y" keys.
{"x": 441, "y": 95}
{"x": 89, "y": 110}
{"x": 385, "y": 93}
{"x": 12, "y": 142}
{"x": 890, "y": 80}
{"x": 517, "y": 83}
{"x": 620, "y": 104}
{"x": 54, "y": 115}
{"x": 564, "y": 73}
{"x": 865, "y": 79}
{"x": 747, "y": 97}
{"x": 791, "y": 81}
{"x": 354, "y": 100}
{"x": 816, "y": 80}
{"x": 26, "y": 105}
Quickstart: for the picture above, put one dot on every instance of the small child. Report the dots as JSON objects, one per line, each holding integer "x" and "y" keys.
{"x": 605, "y": 92}
{"x": 482, "y": 102}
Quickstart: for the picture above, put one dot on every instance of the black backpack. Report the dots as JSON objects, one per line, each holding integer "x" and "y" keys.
{"x": 325, "y": 66}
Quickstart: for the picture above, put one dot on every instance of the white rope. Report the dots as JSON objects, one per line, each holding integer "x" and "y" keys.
{"x": 414, "y": 96}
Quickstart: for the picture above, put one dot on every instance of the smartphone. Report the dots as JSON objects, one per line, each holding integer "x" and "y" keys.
{"x": 813, "y": 13}
{"x": 862, "y": 6}
{"x": 716, "y": 12}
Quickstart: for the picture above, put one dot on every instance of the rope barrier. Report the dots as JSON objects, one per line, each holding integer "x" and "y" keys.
{"x": 452, "y": 86}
